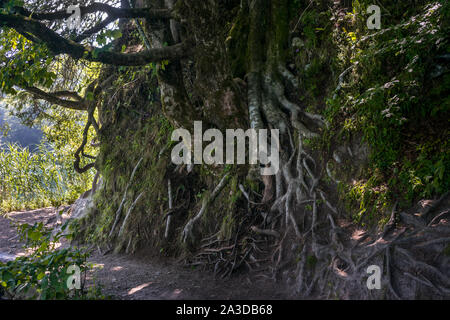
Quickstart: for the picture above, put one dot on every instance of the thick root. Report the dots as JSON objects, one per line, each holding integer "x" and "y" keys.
{"x": 331, "y": 262}
{"x": 188, "y": 229}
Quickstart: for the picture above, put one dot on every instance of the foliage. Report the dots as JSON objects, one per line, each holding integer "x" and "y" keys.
{"x": 43, "y": 178}
{"x": 23, "y": 63}
{"x": 44, "y": 273}
{"x": 396, "y": 96}
{"x": 46, "y": 176}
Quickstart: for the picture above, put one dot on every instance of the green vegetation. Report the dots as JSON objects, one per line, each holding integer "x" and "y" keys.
{"x": 396, "y": 98}
{"x": 45, "y": 176}
{"x": 363, "y": 116}
{"x": 44, "y": 274}
{"x": 39, "y": 179}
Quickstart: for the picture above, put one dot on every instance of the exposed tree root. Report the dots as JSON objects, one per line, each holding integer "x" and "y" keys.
{"x": 301, "y": 236}
{"x": 119, "y": 210}
{"x": 130, "y": 209}
{"x": 188, "y": 228}
{"x": 330, "y": 263}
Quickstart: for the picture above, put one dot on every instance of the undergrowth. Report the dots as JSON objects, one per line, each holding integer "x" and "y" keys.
{"x": 395, "y": 97}
{"x": 47, "y": 273}
{"x": 30, "y": 180}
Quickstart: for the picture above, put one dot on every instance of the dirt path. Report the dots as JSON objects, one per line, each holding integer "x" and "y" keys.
{"x": 141, "y": 276}
{"x": 10, "y": 244}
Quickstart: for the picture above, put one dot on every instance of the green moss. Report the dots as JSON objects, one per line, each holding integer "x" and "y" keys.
{"x": 390, "y": 101}
{"x": 366, "y": 201}
{"x": 279, "y": 31}
{"x": 237, "y": 44}
{"x": 128, "y": 137}
{"x": 227, "y": 227}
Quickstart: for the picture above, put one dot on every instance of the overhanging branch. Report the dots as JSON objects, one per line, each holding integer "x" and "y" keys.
{"x": 97, "y": 28}
{"x": 59, "y": 45}
{"x": 116, "y": 13}
{"x": 67, "y": 94}
{"x": 55, "y": 98}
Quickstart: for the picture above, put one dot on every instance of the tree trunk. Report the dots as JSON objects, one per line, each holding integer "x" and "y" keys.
{"x": 240, "y": 79}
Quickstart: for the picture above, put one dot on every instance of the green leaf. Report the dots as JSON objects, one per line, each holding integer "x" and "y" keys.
{"x": 6, "y": 276}
{"x": 116, "y": 34}
{"x": 34, "y": 235}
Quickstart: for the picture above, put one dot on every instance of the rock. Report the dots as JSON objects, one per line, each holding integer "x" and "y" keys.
{"x": 84, "y": 204}
{"x": 81, "y": 207}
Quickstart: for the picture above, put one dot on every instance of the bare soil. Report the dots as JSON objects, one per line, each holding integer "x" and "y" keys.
{"x": 141, "y": 276}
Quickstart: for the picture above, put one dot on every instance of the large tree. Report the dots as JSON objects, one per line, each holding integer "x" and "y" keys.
{"x": 224, "y": 63}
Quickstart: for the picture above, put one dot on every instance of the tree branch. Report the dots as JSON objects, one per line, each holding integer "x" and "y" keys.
{"x": 59, "y": 45}
{"x": 80, "y": 149}
{"x": 116, "y": 13}
{"x": 55, "y": 98}
{"x": 67, "y": 94}
{"x": 99, "y": 26}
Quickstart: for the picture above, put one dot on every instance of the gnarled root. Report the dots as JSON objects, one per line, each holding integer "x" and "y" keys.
{"x": 188, "y": 228}
{"x": 331, "y": 260}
